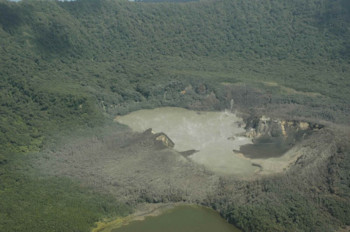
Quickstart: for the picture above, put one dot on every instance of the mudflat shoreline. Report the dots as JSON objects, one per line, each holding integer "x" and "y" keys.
{"x": 141, "y": 212}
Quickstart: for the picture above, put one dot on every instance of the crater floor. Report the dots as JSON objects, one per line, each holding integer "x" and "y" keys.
{"x": 216, "y": 136}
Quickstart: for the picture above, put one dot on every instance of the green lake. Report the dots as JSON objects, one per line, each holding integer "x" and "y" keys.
{"x": 181, "y": 219}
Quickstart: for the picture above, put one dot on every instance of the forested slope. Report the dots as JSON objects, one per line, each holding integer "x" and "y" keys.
{"x": 66, "y": 66}
{"x": 59, "y": 61}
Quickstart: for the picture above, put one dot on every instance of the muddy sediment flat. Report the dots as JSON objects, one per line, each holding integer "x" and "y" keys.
{"x": 140, "y": 214}
{"x": 217, "y": 139}
{"x": 214, "y": 135}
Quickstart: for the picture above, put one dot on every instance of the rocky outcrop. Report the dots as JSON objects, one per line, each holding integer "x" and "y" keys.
{"x": 273, "y": 138}
{"x": 165, "y": 140}
{"x": 161, "y": 140}
{"x": 257, "y": 127}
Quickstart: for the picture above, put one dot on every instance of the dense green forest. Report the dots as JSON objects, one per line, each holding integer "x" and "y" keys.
{"x": 68, "y": 66}
{"x": 62, "y": 62}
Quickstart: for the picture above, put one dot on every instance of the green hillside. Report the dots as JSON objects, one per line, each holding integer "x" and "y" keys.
{"x": 69, "y": 66}
{"x": 62, "y": 62}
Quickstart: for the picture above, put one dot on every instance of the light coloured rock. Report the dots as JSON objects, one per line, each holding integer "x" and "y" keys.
{"x": 165, "y": 140}
{"x": 304, "y": 125}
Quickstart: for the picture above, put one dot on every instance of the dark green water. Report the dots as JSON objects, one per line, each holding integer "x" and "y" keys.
{"x": 266, "y": 147}
{"x": 181, "y": 219}
{"x": 272, "y": 147}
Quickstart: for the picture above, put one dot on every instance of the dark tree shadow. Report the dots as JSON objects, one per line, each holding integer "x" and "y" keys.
{"x": 54, "y": 39}
{"x": 10, "y": 18}
{"x": 346, "y": 7}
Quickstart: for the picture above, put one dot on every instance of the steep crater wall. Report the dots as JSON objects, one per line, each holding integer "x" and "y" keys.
{"x": 274, "y": 137}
